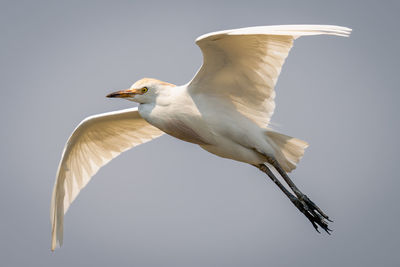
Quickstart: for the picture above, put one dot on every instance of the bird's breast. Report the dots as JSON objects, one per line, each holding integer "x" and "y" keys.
{"x": 184, "y": 124}
{"x": 181, "y": 130}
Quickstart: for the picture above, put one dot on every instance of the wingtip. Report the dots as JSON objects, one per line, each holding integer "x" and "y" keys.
{"x": 53, "y": 246}
{"x": 338, "y": 30}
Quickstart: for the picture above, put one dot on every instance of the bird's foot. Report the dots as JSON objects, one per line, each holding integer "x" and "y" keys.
{"x": 313, "y": 213}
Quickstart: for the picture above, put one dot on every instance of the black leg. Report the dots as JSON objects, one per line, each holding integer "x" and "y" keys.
{"x": 298, "y": 193}
{"x": 302, "y": 202}
{"x": 266, "y": 170}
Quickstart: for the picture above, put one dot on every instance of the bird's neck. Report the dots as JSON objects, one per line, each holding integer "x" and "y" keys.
{"x": 168, "y": 95}
{"x": 168, "y": 100}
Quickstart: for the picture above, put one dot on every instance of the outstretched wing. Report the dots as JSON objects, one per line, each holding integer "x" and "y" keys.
{"x": 242, "y": 66}
{"x": 97, "y": 140}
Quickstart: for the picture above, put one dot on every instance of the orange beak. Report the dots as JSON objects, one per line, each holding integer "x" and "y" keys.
{"x": 124, "y": 93}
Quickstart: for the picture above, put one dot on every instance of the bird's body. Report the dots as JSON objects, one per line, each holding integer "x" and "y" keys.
{"x": 196, "y": 119}
{"x": 225, "y": 109}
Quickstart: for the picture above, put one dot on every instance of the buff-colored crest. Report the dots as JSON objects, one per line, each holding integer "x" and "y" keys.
{"x": 147, "y": 81}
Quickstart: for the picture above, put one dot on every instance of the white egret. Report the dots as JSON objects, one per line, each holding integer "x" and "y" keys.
{"x": 225, "y": 109}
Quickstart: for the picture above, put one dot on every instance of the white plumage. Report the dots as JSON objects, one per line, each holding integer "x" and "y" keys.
{"x": 97, "y": 140}
{"x": 225, "y": 109}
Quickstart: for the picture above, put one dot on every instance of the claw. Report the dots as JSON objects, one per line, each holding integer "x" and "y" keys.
{"x": 315, "y": 207}
{"x": 313, "y": 213}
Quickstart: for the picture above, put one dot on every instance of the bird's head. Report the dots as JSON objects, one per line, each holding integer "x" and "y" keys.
{"x": 144, "y": 91}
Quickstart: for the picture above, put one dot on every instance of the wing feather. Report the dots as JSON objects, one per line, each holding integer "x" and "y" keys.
{"x": 96, "y": 141}
{"x": 242, "y": 66}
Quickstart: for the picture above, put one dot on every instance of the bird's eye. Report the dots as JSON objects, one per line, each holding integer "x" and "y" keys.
{"x": 144, "y": 90}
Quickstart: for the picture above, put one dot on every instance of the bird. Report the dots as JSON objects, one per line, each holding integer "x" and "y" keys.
{"x": 225, "y": 109}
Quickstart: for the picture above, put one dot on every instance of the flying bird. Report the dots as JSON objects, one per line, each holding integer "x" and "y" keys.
{"x": 225, "y": 109}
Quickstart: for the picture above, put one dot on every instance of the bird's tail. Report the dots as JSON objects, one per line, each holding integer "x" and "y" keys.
{"x": 288, "y": 150}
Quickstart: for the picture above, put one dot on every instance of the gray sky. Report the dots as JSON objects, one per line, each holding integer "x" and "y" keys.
{"x": 169, "y": 203}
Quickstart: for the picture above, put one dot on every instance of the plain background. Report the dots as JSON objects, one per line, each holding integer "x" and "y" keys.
{"x": 169, "y": 203}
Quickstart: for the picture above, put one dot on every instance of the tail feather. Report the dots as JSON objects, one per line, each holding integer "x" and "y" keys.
{"x": 288, "y": 150}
